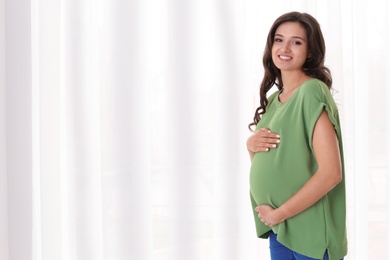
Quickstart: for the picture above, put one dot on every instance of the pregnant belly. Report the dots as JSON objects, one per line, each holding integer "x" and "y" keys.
{"x": 272, "y": 182}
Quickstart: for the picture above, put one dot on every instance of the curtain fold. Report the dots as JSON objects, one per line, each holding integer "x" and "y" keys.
{"x": 360, "y": 79}
{"x": 81, "y": 94}
{"x": 3, "y": 167}
{"x": 126, "y": 129}
{"x": 387, "y": 97}
{"x": 18, "y": 128}
{"x": 123, "y": 125}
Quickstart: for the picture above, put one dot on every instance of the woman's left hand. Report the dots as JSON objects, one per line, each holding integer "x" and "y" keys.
{"x": 268, "y": 215}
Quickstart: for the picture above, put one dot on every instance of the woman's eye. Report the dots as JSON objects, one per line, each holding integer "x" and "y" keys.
{"x": 296, "y": 43}
{"x": 278, "y": 40}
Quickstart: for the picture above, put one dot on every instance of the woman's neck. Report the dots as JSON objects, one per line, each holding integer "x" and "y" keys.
{"x": 292, "y": 80}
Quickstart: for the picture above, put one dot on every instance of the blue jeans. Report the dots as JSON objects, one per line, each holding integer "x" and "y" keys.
{"x": 280, "y": 252}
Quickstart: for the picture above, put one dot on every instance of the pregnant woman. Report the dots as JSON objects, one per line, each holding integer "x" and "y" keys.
{"x": 297, "y": 183}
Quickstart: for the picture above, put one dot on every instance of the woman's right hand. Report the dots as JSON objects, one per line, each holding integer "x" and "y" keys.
{"x": 262, "y": 140}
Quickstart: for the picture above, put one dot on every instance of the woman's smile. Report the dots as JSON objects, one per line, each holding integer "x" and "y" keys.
{"x": 284, "y": 57}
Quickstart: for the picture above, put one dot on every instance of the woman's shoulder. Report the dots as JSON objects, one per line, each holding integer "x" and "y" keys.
{"x": 315, "y": 91}
{"x": 314, "y": 85}
{"x": 315, "y": 88}
{"x": 272, "y": 98}
{"x": 273, "y": 95}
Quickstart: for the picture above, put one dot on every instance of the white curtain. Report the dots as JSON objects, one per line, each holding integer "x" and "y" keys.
{"x": 123, "y": 125}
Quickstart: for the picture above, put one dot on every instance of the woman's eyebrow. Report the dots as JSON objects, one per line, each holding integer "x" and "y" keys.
{"x": 279, "y": 35}
{"x": 298, "y": 37}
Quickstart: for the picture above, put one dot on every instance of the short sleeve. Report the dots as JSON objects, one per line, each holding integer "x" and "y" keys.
{"x": 315, "y": 98}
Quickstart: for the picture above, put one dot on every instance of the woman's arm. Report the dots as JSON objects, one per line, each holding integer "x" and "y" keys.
{"x": 261, "y": 141}
{"x": 328, "y": 175}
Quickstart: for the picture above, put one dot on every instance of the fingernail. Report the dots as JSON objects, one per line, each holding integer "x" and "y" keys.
{"x": 277, "y": 136}
{"x": 278, "y": 141}
{"x": 274, "y": 146}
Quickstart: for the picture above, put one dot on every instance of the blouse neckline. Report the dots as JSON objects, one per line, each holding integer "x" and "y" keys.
{"x": 293, "y": 95}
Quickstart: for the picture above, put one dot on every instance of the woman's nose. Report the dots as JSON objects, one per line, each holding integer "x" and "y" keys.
{"x": 286, "y": 47}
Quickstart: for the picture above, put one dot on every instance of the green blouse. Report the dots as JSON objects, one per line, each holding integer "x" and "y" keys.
{"x": 277, "y": 175}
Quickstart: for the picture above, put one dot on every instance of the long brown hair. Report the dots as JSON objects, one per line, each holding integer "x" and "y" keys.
{"x": 313, "y": 66}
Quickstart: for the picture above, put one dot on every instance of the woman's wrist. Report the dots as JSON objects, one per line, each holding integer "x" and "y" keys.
{"x": 282, "y": 213}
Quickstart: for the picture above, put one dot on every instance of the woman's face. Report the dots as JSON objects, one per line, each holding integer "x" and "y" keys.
{"x": 289, "y": 49}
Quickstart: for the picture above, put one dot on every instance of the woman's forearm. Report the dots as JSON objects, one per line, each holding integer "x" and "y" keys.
{"x": 316, "y": 188}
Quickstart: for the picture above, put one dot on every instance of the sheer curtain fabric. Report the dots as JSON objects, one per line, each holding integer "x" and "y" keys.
{"x": 123, "y": 125}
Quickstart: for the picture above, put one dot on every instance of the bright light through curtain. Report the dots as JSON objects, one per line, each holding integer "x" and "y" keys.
{"x": 123, "y": 125}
